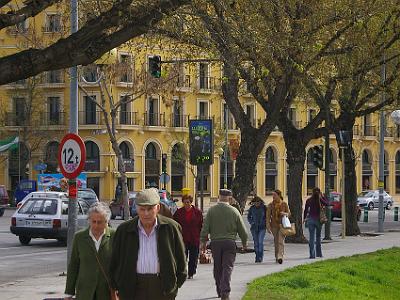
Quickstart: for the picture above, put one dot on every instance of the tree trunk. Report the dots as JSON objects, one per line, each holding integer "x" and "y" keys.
{"x": 350, "y": 193}
{"x": 296, "y": 158}
{"x": 251, "y": 145}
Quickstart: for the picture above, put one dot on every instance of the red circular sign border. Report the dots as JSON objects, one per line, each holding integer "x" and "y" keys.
{"x": 78, "y": 139}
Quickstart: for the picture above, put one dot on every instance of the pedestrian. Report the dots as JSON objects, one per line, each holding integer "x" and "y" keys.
{"x": 87, "y": 274}
{"x": 148, "y": 258}
{"x": 257, "y": 217}
{"x": 235, "y": 204}
{"x": 275, "y": 211}
{"x": 191, "y": 220}
{"x": 223, "y": 222}
{"x": 311, "y": 218}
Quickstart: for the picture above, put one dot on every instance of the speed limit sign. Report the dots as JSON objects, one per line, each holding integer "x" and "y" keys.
{"x": 71, "y": 155}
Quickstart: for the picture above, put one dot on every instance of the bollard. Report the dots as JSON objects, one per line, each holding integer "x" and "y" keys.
{"x": 365, "y": 214}
{"x": 396, "y": 213}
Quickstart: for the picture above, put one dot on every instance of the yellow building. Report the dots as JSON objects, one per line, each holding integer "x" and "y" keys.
{"x": 157, "y": 123}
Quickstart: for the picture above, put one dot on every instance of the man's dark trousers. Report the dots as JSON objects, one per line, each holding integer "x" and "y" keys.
{"x": 224, "y": 254}
{"x": 192, "y": 253}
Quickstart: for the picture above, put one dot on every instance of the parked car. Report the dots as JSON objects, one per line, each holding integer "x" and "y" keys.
{"x": 4, "y": 201}
{"x": 87, "y": 195}
{"x": 24, "y": 188}
{"x": 335, "y": 200}
{"x": 117, "y": 208}
{"x": 45, "y": 215}
{"x": 370, "y": 198}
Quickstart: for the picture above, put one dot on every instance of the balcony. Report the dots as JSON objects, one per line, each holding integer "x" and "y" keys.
{"x": 154, "y": 119}
{"x": 124, "y": 73}
{"x": 177, "y": 167}
{"x": 366, "y": 169}
{"x": 52, "y": 118}
{"x": 128, "y": 118}
{"x": 209, "y": 84}
{"x": 389, "y": 132}
{"x": 179, "y": 120}
{"x": 152, "y": 167}
{"x": 89, "y": 117}
{"x": 129, "y": 164}
{"x": 53, "y": 77}
{"x": 369, "y": 130}
{"x": 92, "y": 165}
{"x": 184, "y": 82}
{"x": 15, "y": 119}
{"x": 52, "y": 28}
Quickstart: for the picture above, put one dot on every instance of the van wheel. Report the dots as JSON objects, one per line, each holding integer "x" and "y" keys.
{"x": 2, "y": 211}
{"x": 24, "y": 240}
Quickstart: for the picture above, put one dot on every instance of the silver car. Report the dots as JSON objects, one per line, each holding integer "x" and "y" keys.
{"x": 370, "y": 199}
{"x": 45, "y": 215}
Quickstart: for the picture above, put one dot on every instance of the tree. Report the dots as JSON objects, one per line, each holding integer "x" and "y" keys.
{"x": 105, "y": 27}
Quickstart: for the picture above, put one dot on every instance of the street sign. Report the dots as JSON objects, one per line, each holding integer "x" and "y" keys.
{"x": 201, "y": 145}
{"x": 164, "y": 178}
{"x": 40, "y": 167}
{"x": 71, "y": 155}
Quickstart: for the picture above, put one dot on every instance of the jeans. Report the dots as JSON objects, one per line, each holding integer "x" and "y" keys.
{"x": 192, "y": 253}
{"x": 258, "y": 238}
{"x": 314, "y": 242}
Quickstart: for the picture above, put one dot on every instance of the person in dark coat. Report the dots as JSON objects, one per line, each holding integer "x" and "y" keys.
{"x": 311, "y": 216}
{"x": 191, "y": 220}
{"x": 258, "y": 222}
{"x": 85, "y": 277}
{"x": 148, "y": 255}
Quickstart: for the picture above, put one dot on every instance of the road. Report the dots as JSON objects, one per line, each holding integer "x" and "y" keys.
{"x": 48, "y": 256}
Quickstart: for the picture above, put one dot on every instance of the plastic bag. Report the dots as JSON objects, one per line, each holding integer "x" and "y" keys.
{"x": 286, "y": 222}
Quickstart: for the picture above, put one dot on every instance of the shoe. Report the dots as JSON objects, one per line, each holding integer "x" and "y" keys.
{"x": 225, "y": 297}
{"x": 280, "y": 261}
{"x": 312, "y": 257}
{"x": 190, "y": 276}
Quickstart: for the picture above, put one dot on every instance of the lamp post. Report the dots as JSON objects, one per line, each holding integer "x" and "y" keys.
{"x": 344, "y": 141}
{"x": 226, "y": 147}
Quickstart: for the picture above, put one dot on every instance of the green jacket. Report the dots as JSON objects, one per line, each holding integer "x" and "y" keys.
{"x": 84, "y": 276}
{"x": 223, "y": 222}
{"x": 171, "y": 255}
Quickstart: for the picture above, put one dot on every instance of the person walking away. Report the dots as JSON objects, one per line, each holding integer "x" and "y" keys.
{"x": 87, "y": 274}
{"x": 311, "y": 217}
{"x": 223, "y": 223}
{"x": 148, "y": 254}
{"x": 257, "y": 217}
{"x": 275, "y": 211}
{"x": 191, "y": 220}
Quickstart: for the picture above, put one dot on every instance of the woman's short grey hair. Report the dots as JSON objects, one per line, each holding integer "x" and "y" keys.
{"x": 100, "y": 208}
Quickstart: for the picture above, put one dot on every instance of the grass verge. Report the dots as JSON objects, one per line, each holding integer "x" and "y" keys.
{"x": 368, "y": 276}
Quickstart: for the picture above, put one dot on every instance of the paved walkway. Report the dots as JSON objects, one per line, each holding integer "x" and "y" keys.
{"x": 202, "y": 286}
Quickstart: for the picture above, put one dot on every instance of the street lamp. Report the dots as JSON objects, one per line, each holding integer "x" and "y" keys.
{"x": 344, "y": 141}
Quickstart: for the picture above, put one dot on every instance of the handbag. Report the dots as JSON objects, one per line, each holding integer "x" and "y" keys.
{"x": 286, "y": 222}
{"x": 113, "y": 292}
{"x": 322, "y": 214}
{"x": 288, "y": 231}
{"x": 205, "y": 257}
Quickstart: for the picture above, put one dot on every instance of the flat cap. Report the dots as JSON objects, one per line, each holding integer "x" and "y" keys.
{"x": 147, "y": 197}
{"x": 225, "y": 192}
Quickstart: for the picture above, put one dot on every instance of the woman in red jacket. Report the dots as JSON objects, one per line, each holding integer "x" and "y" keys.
{"x": 191, "y": 220}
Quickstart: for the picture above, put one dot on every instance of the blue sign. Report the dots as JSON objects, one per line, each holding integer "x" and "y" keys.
{"x": 54, "y": 182}
{"x": 40, "y": 167}
{"x": 164, "y": 178}
{"x": 201, "y": 142}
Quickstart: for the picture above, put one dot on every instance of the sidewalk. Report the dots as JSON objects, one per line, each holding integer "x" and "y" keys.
{"x": 202, "y": 286}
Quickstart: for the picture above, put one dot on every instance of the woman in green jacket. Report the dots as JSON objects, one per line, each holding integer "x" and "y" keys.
{"x": 88, "y": 275}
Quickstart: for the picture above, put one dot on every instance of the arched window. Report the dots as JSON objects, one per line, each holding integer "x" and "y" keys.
{"x": 51, "y": 159}
{"x": 178, "y": 163}
{"x": 92, "y": 157}
{"x": 127, "y": 156}
{"x": 270, "y": 171}
{"x": 152, "y": 171}
{"x": 366, "y": 170}
{"x": 151, "y": 152}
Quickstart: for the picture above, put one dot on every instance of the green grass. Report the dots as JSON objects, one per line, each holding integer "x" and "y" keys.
{"x": 368, "y": 276}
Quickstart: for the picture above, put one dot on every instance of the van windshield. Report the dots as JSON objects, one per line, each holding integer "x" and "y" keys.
{"x": 39, "y": 207}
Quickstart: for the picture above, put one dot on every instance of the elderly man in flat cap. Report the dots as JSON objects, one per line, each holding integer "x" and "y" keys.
{"x": 148, "y": 255}
{"x": 223, "y": 222}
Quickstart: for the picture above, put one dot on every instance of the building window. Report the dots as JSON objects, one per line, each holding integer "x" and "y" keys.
{"x": 53, "y": 23}
{"x": 152, "y": 117}
{"x": 127, "y": 156}
{"x": 271, "y": 171}
{"x": 366, "y": 170}
{"x": 125, "y": 116}
{"x": 203, "y": 112}
{"x": 178, "y": 164}
{"x": 54, "y": 76}
{"x": 152, "y": 165}
{"x": 20, "y": 106}
{"x": 251, "y": 114}
{"x": 204, "y": 79}
{"x": 53, "y": 104}
{"x": 90, "y": 109}
{"x": 125, "y": 68}
{"x": 178, "y": 119}
{"x": 51, "y": 158}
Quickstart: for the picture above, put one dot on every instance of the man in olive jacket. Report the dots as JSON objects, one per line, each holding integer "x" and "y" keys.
{"x": 148, "y": 251}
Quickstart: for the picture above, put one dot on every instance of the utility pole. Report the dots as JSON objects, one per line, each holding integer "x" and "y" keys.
{"x": 226, "y": 147}
{"x": 73, "y": 128}
{"x": 327, "y": 190}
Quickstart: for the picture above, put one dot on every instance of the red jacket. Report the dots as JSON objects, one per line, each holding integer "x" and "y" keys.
{"x": 190, "y": 230}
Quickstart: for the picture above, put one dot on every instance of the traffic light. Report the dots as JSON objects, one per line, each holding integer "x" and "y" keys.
{"x": 318, "y": 156}
{"x": 155, "y": 66}
{"x": 164, "y": 163}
